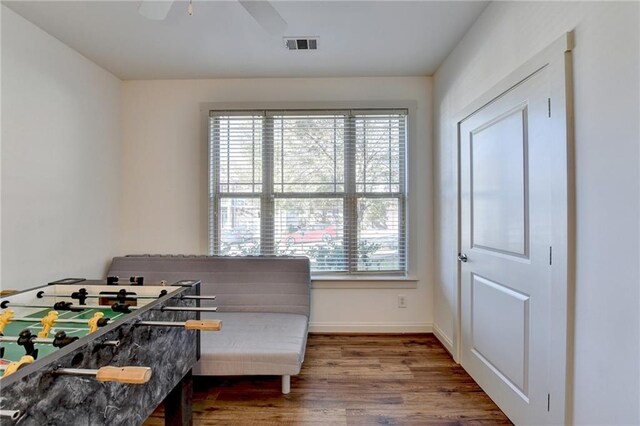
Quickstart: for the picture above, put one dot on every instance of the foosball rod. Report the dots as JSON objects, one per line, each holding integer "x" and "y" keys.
{"x": 49, "y": 341}
{"x": 8, "y": 304}
{"x": 129, "y": 375}
{"x": 198, "y": 297}
{"x": 61, "y": 320}
{"x": 115, "y": 296}
{"x": 204, "y": 325}
{"x": 42, "y": 294}
{"x": 9, "y": 414}
{"x": 188, "y": 308}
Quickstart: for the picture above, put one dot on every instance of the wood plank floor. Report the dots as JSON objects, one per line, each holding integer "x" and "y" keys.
{"x": 352, "y": 380}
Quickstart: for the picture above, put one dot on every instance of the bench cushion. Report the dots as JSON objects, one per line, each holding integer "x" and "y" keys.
{"x": 253, "y": 343}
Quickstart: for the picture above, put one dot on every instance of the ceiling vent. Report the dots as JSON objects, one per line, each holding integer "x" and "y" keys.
{"x": 301, "y": 43}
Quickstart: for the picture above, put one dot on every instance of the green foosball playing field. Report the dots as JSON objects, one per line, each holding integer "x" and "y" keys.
{"x": 78, "y": 327}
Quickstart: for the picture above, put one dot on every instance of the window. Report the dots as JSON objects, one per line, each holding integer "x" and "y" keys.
{"x": 329, "y": 185}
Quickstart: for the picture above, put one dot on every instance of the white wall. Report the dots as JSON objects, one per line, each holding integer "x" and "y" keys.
{"x": 1, "y": 10}
{"x": 60, "y": 159}
{"x": 164, "y": 206}
{"x": 606, "y": 61}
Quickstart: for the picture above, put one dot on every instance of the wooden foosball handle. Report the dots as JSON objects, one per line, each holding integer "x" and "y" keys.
{"x": 7, "y": 292}
{"x": 204, "y": 325}
{"x": 132, "y": 375}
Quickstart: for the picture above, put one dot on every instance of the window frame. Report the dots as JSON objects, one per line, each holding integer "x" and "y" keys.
{"x": 350, "y": 196}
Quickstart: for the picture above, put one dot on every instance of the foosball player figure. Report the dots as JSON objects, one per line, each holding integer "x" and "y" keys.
{"x": 97, "y": 321}
{"x": 25, "y": 339}
{"x": 121, "y": 307}
{"x": 12, "y": 367}
{"x": 60, "y": 340}
{"x": 66, "y": 306}
{"x": 136, "y": 280}
{"x": 48, "y": 321}
{"x": 5, "y": 319}
{"x": 122, "y": 296}
{"x": 80, "y": 295}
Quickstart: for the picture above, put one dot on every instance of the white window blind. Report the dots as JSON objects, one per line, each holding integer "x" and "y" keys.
{"x": 329, "y": 185}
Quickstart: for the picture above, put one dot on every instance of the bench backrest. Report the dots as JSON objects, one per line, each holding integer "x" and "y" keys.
{"x": 241, "y": 284}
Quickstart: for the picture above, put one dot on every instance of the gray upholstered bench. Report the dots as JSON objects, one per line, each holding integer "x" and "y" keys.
{"x": 263, "y": 303}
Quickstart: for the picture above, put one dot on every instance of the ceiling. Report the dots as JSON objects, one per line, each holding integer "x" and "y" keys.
{"x": 221, "y": 39}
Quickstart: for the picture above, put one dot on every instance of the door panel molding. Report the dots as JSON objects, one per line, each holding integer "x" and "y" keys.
{"x": 483, "y": 184}
{"x": 507, "y": 355}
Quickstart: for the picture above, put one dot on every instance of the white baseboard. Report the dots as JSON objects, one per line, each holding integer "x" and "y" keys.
{"x": 444, "y": 339}
{"x": 369, "y": 327}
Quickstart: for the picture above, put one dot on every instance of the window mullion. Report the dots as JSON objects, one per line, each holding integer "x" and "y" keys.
{"x": 350, "y": 202}
{"x": 403, "y": 154}
{"x": 402, "y": 228}
{"x": 267, "y": 198}
{"x": 214, "y": 185}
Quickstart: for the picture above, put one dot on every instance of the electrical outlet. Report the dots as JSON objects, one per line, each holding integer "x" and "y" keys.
{"x": 402, "y": 301}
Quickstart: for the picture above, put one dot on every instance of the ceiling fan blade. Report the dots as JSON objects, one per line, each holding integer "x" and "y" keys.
{"x": 266, "y": 15}
{"x": 156, "y": 10}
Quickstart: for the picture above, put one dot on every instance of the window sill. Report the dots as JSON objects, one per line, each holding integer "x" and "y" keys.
{"x": 364, "y": 282}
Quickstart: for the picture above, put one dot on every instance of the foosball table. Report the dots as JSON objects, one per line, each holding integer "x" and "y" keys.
{"x": 91, "y": 352}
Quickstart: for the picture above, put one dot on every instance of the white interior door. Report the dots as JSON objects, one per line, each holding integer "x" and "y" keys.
{"x": 505, "y": 242}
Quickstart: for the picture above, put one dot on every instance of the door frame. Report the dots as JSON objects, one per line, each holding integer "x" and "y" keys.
{"x": 557, "y": 57}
